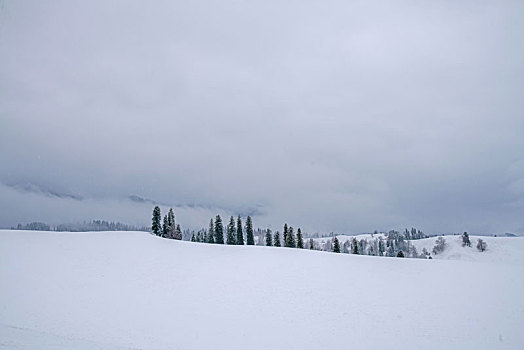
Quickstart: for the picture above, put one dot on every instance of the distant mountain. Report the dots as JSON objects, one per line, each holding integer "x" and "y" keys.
{"x": 29, "y": 187}
{"x": 138, "y": 199}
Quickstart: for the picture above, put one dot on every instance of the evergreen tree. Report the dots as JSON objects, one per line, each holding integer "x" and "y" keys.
{"x": 276, "y": 239}
{"x": 400, "y": 254}
{"x": 290, "y": 242}
{"x": 219, "y": 230}
{"x": 165, "y": 227}
{"x": 465, "y": 240}
{"x": 193, "y": 238}
{"x": 250, "y": 238}
{"x": 199, "y": 236}
{"x": 178, "y": 233}
{"x": 284, "y": 235}
{"x": 171, "y": 227}
{"x": 311, "y": 243}
{"x": 300, "y": 240}
{"x": 230, "y": 238}
{"x": 336, "y": 245}
{"x": 156, "y": 227}
{"x": 240, "y": 233}
{"x": 211, "y": 232}
{"x": 355, "y": 246}
{"x": 269, "y": 238}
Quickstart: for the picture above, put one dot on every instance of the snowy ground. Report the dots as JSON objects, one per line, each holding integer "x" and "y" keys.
{"x": 131, "y": 290}
{"x": 505, "y": 250}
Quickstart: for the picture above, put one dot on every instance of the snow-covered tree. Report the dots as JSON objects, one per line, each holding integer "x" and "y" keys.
{"x": 354, "y": 245}
{"x": 346, "y": 246}
{"x": 171, "y": 227}
{"x": 300, "y": 240}
{"x": 327, "y": 246}
{"x": 156, "y": 226}
{"x": 465, "y": 240}
{"x": 311, "y": 243}
{"x": 336, "y": 245}
{"x": 381, "y": 246}
{"x": 481, "y": 245}
{"x": 440, "y": 245}
{"x": 165, "y": 227}
{"x": 362, "y": 246}
{"x": 269, "y": 238}
{"x": 178, "y": 233}
{"x": 285, "y": 235}
{"x": 211, "y": 232}
{"x": 230, "y": 236}
{"x": 219, "y": 230}
{"x": 276, "y": 239}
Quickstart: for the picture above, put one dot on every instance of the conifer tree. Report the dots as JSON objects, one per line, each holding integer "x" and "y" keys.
{"x": 156, "y": 227}
{"x": 230, "y": 239}
{"x": 199, "y": 236}
{"x": 240, "y": 233}
{"x": 355, "y": 246}
{"x": 219, "y": 230}
{"x": 165, "y": 227}
{"x": 269, "y": 238}
{"x": 300, "y": 240}
{"x": 400, "y": 254}
{"x": 250, "y": 238}
{"x": 290, "y": 242}
{"x": 336, "y": 245}
{"x": 171, "y": 227}
{"x": 276, "y": 239}
{"x": 311, "y": 243}
{"x": 211, "y": 232}
{"x": 193, "y": 238}
{"x": 178, "y": 233}
{"x": 285, "y": 235}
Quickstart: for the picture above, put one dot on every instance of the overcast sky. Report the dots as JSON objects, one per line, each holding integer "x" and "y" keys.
{"x": 345, "y": 116}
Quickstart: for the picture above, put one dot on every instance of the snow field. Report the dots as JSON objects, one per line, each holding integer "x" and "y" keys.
{"x": 131, "y": 290}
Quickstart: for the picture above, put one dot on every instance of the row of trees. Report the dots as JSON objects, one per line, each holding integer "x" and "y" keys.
{"x": 167, "y": 229}
{"x": 93, "y": 225}
{"x": 289, "y": 238}
{"x": 234, "y": 232}
{"x": 391, "y": 244}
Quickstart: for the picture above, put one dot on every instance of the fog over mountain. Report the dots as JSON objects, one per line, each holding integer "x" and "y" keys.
{"x": 333, "y": 116}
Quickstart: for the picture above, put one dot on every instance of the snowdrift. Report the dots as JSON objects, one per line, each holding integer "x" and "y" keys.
{"x": 131, "y": 290}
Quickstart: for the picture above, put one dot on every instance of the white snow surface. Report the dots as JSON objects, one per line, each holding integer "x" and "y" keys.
{"x": 132, "y": 290}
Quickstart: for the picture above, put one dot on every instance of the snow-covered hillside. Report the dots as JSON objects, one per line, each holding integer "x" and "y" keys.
{"x": 506, "y": 250}
{"x": 131, "y": 290}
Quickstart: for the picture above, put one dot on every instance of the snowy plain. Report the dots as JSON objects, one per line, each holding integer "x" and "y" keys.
{"x": 132, "y": 290}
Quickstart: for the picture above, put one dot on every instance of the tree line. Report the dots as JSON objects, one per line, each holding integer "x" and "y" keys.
{"x": 390, "y": 244}
{"x": 86, "y": 226}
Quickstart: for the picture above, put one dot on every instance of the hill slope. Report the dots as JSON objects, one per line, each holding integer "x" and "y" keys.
{"x": 130, "y": 290}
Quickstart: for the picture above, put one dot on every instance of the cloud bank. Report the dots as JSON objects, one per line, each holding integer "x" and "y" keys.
{"x": 332, "y": 116}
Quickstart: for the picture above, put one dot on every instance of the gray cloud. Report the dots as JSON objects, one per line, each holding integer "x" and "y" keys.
{"x": 332, "y": 116}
